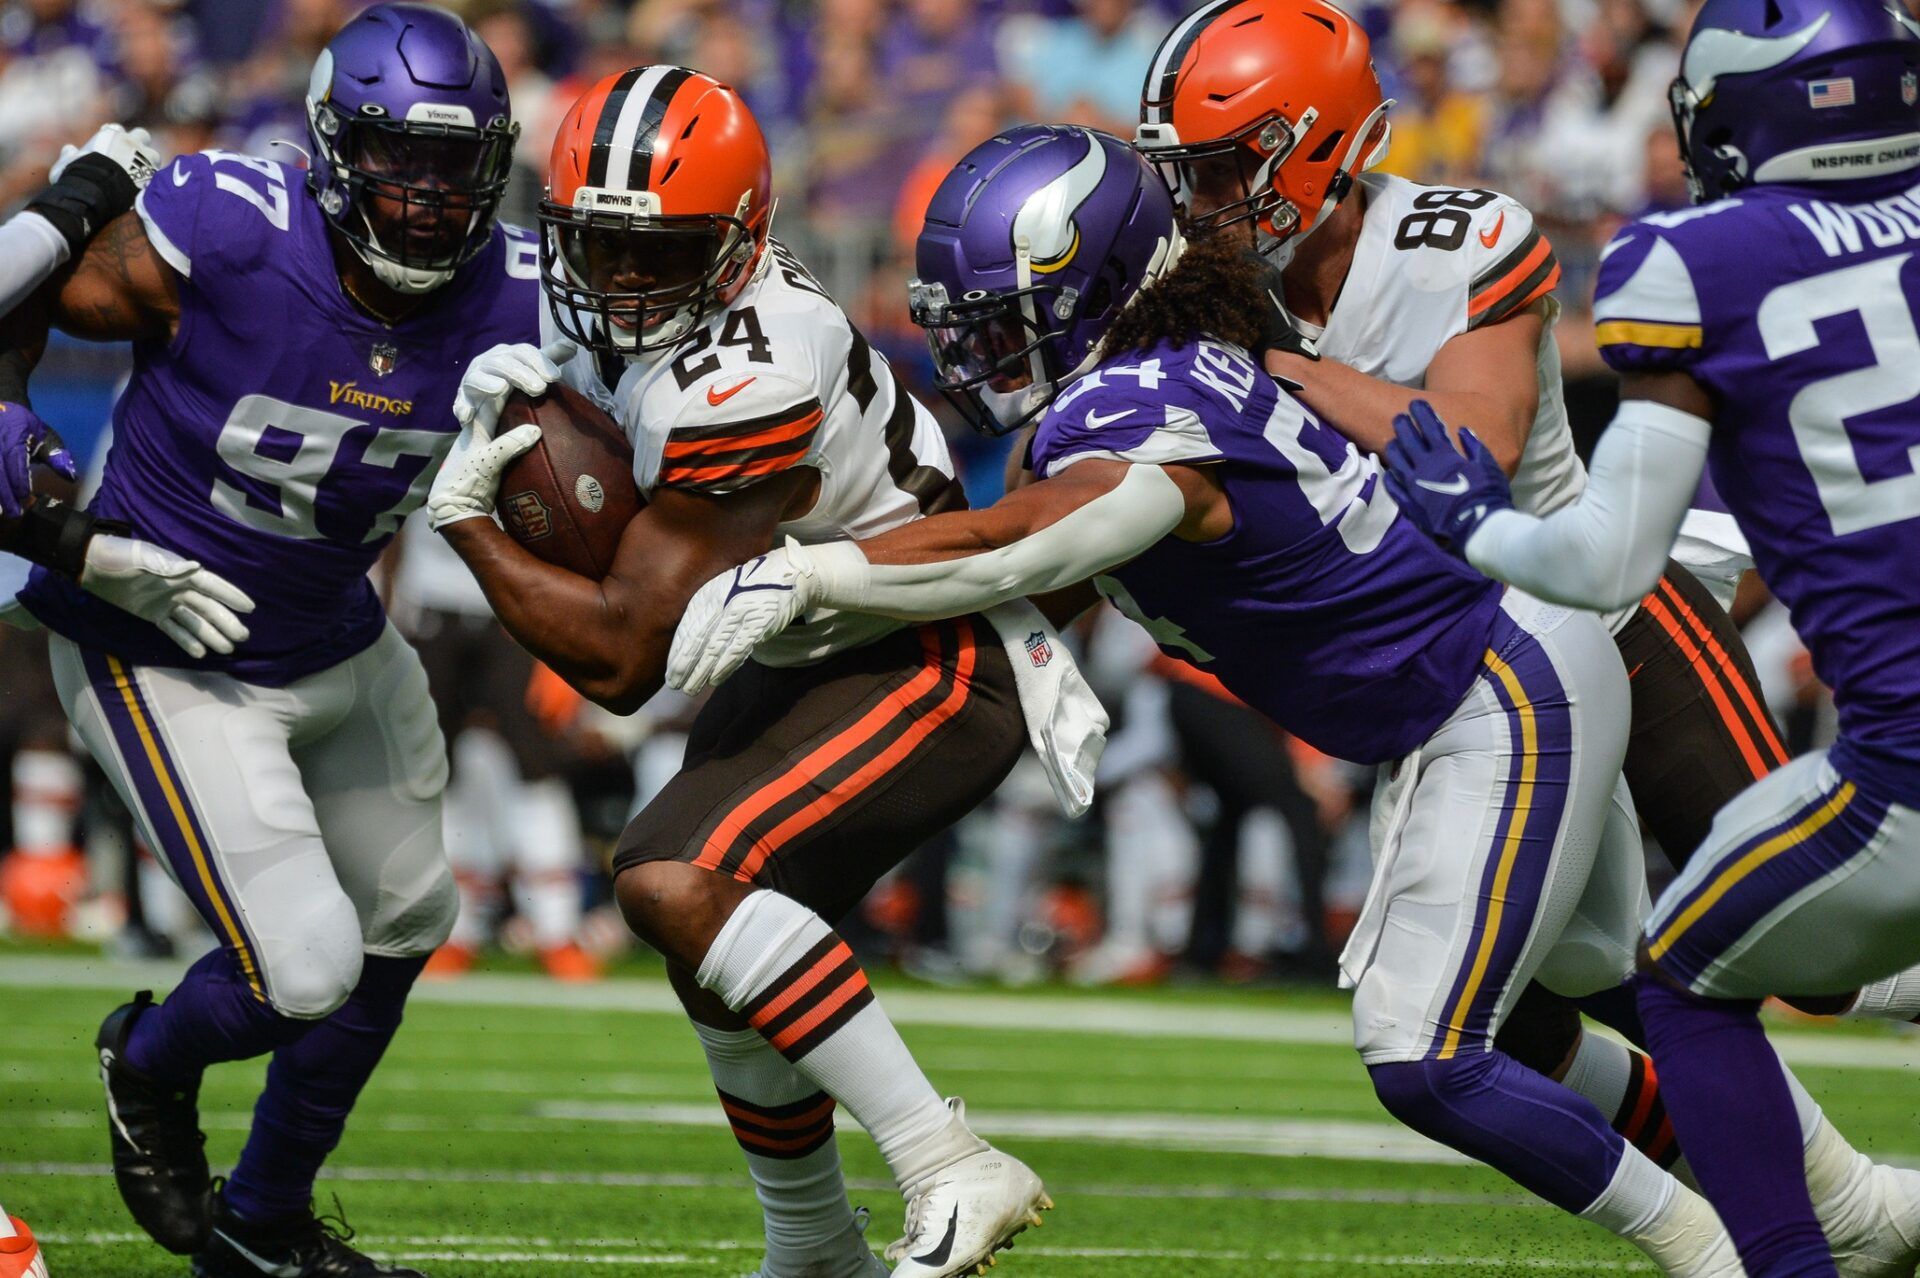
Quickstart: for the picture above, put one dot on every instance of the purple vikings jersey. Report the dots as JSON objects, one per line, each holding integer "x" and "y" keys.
{"x": 283, "y": 435}
{"x": 1322, "y": 609}
{"x": 1796, "y": 311}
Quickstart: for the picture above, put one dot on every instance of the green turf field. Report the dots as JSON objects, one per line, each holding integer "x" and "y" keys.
{"x": 518, "y": 1130}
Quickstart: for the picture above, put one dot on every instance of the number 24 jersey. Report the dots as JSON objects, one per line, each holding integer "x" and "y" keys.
{"x": 1795, "y": 310}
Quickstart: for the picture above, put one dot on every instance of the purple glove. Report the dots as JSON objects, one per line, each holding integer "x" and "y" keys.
{"x": 25, "y": 439}
{"x": 1446, "y": 492}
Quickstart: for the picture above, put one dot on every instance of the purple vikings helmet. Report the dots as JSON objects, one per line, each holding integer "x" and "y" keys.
{"x": 412, "y": 141}
{"x": 1032, "y": 246}
{"x": 1797, "y": 91}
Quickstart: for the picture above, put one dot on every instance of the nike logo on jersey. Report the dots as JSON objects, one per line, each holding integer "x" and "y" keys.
{"x": 717, "y": 397}
{"x": 1491, "y": 238}
{"x": 1452, "y": 489}
{"x": 180, "y": 175}
{"x": 938, "y": 1256}
{"x": 1096, "y": 420}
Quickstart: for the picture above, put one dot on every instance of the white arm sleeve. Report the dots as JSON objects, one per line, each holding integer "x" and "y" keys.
{"x": 30, "y": 251}
{"x": 1114, "y": 527}
{"x": 1608, "y": 549}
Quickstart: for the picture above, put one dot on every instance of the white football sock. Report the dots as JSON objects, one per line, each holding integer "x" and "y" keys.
{"x": 779, "y": 964}
{"x": 547, "y": 845}
{"x": 46, "y": 801}
{"x": 1897, "y": 998}
{"x": 1601, "y": 1070}
{"x": 784, "y": 1124}
{"x": 1659, "y": 1215}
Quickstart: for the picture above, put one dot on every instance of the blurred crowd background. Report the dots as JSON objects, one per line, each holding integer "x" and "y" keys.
{"x": 1217, "y": 846}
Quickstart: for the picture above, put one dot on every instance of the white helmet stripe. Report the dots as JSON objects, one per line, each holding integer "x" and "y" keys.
{"x": 627, "y": 128}
{"x": 1716, "y": 52}
{"x": 1156, "y": 96}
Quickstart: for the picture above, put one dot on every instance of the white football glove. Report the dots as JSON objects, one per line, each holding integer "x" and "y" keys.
{"x": 194, "y": 607}
{"x": 497, "y": 373}
{"x": 469, "y": 482}
{"x": 131, "y": 149}
{"x": 734, "y": 613}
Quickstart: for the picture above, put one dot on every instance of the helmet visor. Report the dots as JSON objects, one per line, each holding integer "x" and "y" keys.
{"x": 664, "y": 267}
{"x": 991, "y": 358}
{"x": 623, "y": 283}
{"x": 1225, "y": 181}
{"x": 426, "y": 192}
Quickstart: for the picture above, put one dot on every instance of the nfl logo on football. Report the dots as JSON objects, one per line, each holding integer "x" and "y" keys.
{"x": 1039, "y": 650}
{"x": 1910, "y": 88}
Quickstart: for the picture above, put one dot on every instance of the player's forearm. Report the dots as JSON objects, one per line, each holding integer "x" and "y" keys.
{"x": 1608, "y": 549}
{"x": 31, "y": 250}
{"x": 611, "y": 652}
{"x": 1362, "y": 408}
{"x": 23, "y": 339}
{"x": 977, "y": 559}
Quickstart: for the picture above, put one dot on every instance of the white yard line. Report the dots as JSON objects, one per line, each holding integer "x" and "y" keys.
{"x": 458, "y": 1247}
{"x": 651, "y": 1180}
{"x": 1082, "y": 1013}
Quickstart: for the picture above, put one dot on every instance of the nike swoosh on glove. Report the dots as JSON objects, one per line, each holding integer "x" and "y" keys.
{"x": 1446, "y": 492}
{"x": 192, "y": 606}
{"x": 469, "y": 480}
{"x": 499, "y": 371}
{"x": 735, "y": 612}
{"x": 25, "y": 439}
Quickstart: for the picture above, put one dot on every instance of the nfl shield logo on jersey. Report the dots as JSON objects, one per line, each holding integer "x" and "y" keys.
{"x": 382, "y": 357}
{"x": 1910, "y": 88}
{"x": 1039, "y": 650}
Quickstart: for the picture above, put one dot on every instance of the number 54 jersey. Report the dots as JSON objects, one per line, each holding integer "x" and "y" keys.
{"x": 1797, "y": 314}
{"x": 282, "y": 435}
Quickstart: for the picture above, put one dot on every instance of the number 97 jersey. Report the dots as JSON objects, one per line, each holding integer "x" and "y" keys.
{"x": 1797, "y": 315}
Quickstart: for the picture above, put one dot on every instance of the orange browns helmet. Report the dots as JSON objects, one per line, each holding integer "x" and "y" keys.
{"x": 658, "y": 208}
{"x": 1262, "y": 111}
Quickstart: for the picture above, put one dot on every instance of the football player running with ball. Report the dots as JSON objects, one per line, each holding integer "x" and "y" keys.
{"x": 297, "y": 337}
{"x": 1771, "y": 334}
{"x": 1265, "y": 116}
{"x": 757, "y": 411}
{"x": 1259, "y": 545}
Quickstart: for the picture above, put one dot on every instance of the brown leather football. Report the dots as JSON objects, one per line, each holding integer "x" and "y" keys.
{"x": 569, "y": 497}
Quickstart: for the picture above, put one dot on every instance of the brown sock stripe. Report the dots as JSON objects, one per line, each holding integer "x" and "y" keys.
{"x": 792, "y": 984}
{"x": 835, "y": 1011}
{"x": 827, "y": 980}
{"x": 782, "y": 1131}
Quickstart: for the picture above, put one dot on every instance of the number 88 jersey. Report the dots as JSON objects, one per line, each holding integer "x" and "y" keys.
{"x": 1797, "y": 315}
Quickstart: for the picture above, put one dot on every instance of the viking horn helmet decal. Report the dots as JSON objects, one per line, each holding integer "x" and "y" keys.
{"x": 1045, "y": 225}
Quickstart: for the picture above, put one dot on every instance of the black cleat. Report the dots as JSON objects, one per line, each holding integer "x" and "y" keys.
{"x": 304, "y": 1247}
{"x": 159, "y": 1151}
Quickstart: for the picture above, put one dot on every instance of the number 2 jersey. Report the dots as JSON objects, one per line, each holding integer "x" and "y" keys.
{"x": 780, "y": 378}
{"x": 282, "y": 435}
{"x": 1322, "y": 608}
{"x": 1795, "y": 310}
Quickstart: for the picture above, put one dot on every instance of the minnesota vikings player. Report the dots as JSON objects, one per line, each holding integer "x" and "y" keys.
{"x": 1266, "y": 116}
{"x": 1257, "y": 544}
{"x": 1770, "y": 335}
{"x": 297, "y": 337}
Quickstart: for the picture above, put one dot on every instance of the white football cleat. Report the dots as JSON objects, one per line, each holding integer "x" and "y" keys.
{"x": 966, "y": 1213}
{"x": 1687, "y": 1240}
{"x": 1871, "y": 1215}
{"x": 845, "y": 1256}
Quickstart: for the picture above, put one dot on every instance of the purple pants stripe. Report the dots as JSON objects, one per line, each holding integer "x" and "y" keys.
{"x": 1762, "y": 872}
{"x": 1532, "y": 810}
{"x": 168, "y": 809}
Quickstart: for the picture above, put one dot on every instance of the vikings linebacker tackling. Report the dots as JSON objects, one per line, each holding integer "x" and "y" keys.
{"x": 297, "y": 339}
{"x": 1769, "y": 335}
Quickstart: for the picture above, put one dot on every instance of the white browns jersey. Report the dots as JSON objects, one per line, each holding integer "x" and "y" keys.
{"x": 779, "y": 379}
{"x": 1432, "y": 263}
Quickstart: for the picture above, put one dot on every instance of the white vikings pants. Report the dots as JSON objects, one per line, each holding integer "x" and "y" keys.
{"x": 303, "y": 822}
{"x": 1809, "y": 883}
{"x": 1504, "y": 848}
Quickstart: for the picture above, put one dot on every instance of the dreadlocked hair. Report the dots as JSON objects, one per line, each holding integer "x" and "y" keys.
{"x": 1213, "y": 291}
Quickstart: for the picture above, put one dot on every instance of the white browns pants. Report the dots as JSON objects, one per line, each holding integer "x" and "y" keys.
{"x": 303, "y": 822}
{"x": 1505, "y": 848}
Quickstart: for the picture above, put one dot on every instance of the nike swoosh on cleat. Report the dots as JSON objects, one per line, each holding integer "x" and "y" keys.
{"x": 270, "y": 1268}
{"x": 1453, "y": 489}
{"x": 1491, "y": 238}
{"x": 938, "y": 1256}
{"x": 113, "y": 1110}
{"x": 727, "y": 394}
